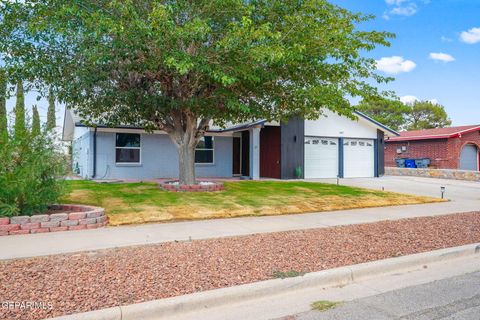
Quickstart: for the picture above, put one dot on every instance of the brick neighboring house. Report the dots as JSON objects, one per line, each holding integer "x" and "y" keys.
{"x": 447, "y": 148}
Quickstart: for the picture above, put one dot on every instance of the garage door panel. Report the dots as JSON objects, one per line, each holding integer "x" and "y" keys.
{"x": 321, "y": 157}
{"x": 469, "y": 158}
{"x": 359, "y": 158}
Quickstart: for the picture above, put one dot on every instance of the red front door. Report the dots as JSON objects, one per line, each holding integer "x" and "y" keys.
{"x": 270, "y": 151}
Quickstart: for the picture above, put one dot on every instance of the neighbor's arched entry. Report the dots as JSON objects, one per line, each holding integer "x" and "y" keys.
{"x": 469, "y": 157}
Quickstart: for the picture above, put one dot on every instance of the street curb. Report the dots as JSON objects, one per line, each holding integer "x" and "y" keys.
{"x": 165, "y": 308}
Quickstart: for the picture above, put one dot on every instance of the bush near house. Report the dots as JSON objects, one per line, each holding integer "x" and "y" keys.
{"x": 31, "y": 174}
{"x": 32, "y": 165}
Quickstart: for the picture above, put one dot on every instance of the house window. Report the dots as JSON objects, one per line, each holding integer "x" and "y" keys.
{"x": 204, "y": 151}
{"x": 127, "y": 148}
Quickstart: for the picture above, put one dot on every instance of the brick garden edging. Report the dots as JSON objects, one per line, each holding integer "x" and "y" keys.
{"x": 214, "y": 186}
{"x": 434, "y": 173}
{"x": 77, "y": 217}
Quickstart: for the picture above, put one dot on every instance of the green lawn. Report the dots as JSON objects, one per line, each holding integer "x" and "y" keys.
{"x": 128, "y": 203}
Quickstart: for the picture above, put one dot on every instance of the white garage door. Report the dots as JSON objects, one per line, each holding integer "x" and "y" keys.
{"x": 321, "y": 157}
{"x": 359, "y": 158}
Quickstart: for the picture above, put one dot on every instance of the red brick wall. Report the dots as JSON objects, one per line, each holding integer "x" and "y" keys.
{"x": 444, "y": 153}
{"x": 455, "y": 146}
{"x": 436, "y": 150}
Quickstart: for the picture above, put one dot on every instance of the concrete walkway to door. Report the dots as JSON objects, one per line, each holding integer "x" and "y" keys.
{"x": 465, "y": 197}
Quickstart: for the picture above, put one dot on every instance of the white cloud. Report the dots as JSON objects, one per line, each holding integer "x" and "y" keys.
{"x": 439, "y": 56}
{"x": 446, "y": 39}
{"x": 395, "y": 64}
{"x": 395, "y": 2}
{"x": 409, "y": 99}
{"x": 471, "y": 36}
{"x": 407, "y": 11}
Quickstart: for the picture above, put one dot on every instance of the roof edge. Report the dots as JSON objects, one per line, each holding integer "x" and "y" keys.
{"x": 436, "y": 136}
{"x": 231, "y": 129}
{"x": 375, "y": 122}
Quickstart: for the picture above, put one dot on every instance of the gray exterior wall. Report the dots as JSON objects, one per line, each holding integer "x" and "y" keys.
{"x": 81, "y": 155}
{"x": 158, "y": 159}
{"x": 380, "y": 143}
{"x": 292, "y": 148}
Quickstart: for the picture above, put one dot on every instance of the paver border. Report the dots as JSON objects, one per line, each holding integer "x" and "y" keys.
{"x": 75, "y": 217}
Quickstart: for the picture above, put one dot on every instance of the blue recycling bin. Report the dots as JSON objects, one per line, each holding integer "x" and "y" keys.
{"x": 410, "y": 163}
{"x": 400, "y": 162}
{"x": 422, "y": 163}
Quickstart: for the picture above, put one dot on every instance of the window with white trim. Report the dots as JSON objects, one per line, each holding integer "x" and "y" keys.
{"x": 204, "y": 151}
{"x": 127, "y": 148}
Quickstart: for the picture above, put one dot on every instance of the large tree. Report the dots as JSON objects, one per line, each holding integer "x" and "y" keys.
{"x": 3, "y": 107}
{"x": 427, "y": 115}
{"x": 51, "y": 117}
{"x": 176, "y": 65}
{"x": 35, "y": 122}
{"x": 20, "y": 125}
{"x": 390, "y": 112}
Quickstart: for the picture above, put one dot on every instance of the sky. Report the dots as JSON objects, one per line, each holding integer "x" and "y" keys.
{"x": 436, "y": 52}
{"x": 435, "y": 55}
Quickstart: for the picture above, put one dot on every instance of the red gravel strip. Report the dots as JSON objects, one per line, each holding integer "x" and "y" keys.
{"x": 89, "y": 281}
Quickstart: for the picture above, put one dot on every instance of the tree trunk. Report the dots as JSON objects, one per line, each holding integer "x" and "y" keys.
{"x": 185, "y": 131}
{"x": 186, "y": 163}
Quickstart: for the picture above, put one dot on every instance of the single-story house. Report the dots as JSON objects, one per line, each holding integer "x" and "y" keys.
{"x": 447, "y": 148}
{"x": 332, "y": 146}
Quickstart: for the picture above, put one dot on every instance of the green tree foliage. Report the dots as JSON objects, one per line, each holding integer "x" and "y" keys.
{"x": 399, "y": 116}
{"x": 31, "y": 174}
{"x": 51, "y": 121}
{"x": 3, "y": 107}
{"x": 392, "y": 113}
{"x": 20, "y": 125}
{"x": 35, "y": 122}
{"x": 178, "y": 65}
{"x": 428, "y": 115}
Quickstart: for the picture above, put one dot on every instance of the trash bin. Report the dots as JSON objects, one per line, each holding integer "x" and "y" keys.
{"x": 400, "y": 162}
{"x": 422, "y": 163}
{"x": 410, "y": 163}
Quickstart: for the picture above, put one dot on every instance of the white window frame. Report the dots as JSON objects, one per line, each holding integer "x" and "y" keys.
{"x": 135, "y": 148}
{"x": 207, "y": 149}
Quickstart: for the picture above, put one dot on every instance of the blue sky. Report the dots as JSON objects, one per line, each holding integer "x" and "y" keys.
{"x": 422, "y": 27}
{"x": 425, "y": 29}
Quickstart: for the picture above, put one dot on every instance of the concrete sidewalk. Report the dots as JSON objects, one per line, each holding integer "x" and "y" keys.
{"x": 22, "y": 246}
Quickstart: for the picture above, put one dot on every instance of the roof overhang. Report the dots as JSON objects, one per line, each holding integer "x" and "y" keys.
{"x": 435, "y": 136}
{"x": 388, "y": 131}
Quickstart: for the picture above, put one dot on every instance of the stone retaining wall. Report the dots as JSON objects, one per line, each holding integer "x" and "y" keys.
{"x": 434, "y": 173}
{"x": 75, "y": 217}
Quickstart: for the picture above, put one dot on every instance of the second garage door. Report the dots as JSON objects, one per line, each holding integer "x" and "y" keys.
{"x": 359, "y": 158}
{"x": 321, "y": 157}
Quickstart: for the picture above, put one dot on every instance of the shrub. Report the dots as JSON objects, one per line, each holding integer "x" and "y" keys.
{"x": 32, "y": 168}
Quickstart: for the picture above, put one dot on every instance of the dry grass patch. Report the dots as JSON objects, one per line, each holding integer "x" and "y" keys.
{"x": 134, "y": 203}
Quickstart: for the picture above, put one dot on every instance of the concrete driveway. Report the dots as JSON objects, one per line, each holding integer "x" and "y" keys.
{"x": 456, "y": 190}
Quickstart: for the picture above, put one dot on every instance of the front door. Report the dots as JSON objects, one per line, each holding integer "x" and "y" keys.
{"x": 270, "y": 147}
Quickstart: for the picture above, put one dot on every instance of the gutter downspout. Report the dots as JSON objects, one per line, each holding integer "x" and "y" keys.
{"x": 94, "y": 174}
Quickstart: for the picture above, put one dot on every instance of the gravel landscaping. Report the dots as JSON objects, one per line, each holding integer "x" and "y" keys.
{"x": 95, "y": 280}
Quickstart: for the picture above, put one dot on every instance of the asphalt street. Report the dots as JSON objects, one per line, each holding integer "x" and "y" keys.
{"x": 447, "y": 299}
